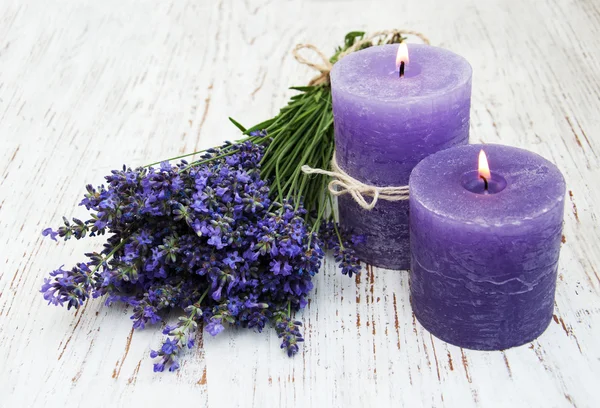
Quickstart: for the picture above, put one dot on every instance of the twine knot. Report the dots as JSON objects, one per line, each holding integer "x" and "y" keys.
{"x": 343, "y": 183}
{"x": 325, "y": 66}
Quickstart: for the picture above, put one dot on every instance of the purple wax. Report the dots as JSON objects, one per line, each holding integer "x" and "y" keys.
{"x": 484, "y": 263}
{"x": 385, "y": 125}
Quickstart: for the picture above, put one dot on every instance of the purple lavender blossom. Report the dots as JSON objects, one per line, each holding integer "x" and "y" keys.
{"x": 214, "y": 327}
{"x": 49, "y": 232}
{"x": 343, "y": 251}
{"x": 289, "y": 331}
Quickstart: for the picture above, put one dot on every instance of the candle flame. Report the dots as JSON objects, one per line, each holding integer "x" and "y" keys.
{"x": 402, "y": 55}
{"x": 484, "y": 168}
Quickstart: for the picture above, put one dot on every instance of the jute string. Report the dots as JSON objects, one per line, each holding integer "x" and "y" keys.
{"x": 324, "y": 67}
{"x": 343, "y": 183}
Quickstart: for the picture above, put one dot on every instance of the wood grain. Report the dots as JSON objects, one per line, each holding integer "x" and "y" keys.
{"x": 88, "y": 85}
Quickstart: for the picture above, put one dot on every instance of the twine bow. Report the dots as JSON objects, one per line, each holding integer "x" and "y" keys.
{"x": 343, "y": 183}
{"x": 325, "y": 66}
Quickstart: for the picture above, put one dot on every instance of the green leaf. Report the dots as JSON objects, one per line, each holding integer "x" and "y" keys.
{"x": 352, "y": 36}
{"x": 302, "y": 88}
{"x": 237, "y": 124}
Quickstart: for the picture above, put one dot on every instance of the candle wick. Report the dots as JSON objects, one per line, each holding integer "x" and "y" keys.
{"x": 401, "y": 74}
{"x": 485, "y": 183}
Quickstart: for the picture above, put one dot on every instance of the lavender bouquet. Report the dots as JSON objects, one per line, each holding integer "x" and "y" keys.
{"x": 205, "y": 238}
{"x": 233, "y": 237}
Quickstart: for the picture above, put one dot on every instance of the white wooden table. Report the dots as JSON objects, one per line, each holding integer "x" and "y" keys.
{"x": 88, "y": 85}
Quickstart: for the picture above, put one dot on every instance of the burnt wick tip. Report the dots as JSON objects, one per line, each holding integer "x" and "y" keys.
{"x": 485, "y": 183}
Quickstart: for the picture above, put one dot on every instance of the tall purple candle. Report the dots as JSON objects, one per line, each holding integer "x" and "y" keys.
{"x": 484, "y": 262}
{"x": 384, "y": 125}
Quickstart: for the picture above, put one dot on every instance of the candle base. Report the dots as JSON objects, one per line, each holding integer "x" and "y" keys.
{"x": 385, "y": 231}
{"x": 487, "y": 321}
{"x": 489, "y": 344}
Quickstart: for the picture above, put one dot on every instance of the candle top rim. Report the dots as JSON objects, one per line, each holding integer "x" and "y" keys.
{"x": 535, "y": 186}
{"x": 371, "y": 73}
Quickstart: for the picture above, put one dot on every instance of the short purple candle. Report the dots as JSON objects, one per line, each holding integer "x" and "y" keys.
{"x": 384, "y": 125}
{"x": 484, "y": 262}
